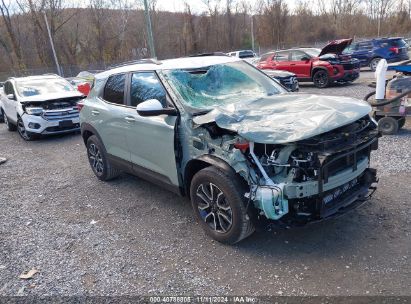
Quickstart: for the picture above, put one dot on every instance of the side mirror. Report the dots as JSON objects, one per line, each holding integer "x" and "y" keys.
{"x": 11, "y": 96}
{"x": 305, "y": 58}
{"x": 153, "y": 107}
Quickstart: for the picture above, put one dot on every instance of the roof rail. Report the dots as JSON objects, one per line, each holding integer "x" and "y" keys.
{"x": 209, "y": 54}
{"x": 138, "y": 61}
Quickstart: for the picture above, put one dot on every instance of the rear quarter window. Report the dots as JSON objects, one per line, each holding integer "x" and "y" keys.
{"x": 398, "y": 43}
{"x": 114, "y": 89}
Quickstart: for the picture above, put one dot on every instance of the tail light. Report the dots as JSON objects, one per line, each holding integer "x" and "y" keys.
{"x": 80, "y": 106}
{"x": 242, "y": 146}
{"x": 394, "y": 50}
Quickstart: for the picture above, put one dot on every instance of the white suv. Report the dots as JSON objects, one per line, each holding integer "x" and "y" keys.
{"x": 39, "y": 105}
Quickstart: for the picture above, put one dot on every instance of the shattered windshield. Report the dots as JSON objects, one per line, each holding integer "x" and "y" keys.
{"x": 221, "y": 84}
{"x": 35, "y": 87}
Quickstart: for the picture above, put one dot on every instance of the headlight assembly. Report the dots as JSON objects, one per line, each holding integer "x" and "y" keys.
{"x": 34, "y": 111}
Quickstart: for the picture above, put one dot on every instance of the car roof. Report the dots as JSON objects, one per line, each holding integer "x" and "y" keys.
{"x": 36, "y": 77}
{"x": 170, "y": 64}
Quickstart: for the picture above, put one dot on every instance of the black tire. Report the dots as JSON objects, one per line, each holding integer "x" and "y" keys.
{"x": 373, "y": 63}
{"x": 388, "y": 125}
{"x": 1, "y": 116}
{"x": 218, "y": 202}
{"x": 99, "y": 163}
{"x": 9, "y": 125}
{"x": 21, "y": 129}
{"x": 321, "y": 79}
{"x": 401, "y": 122}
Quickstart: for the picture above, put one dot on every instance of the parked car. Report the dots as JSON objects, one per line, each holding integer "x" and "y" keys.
{"x": 242, "y": 54}
{"x": 82, "y": 85}
{"x": 287, "y": 79}
{"x": 322, "y": 67}
{"x": 370, "y": 52}
{"x": 39, "y": 105}
{"x": 219, "y": 131}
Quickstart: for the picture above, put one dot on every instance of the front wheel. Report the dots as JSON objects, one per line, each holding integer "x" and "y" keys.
{"x": 321, "y": 79}
{"x": 26, "y": 135}
{"x": 218, "y": 202}
{"x": 99, "y": 163}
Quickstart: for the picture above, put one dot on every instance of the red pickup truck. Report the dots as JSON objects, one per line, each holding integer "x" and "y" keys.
{"x": 322, "y": 67}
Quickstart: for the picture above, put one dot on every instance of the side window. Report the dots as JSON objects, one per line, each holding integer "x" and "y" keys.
{"x": 281, "y": 56}
{"x": 8, "y": 88}
{"x": 365, "y": 45}
{"x": 145, "y": 86}
{"x": 297, "y": 55}
{"x": 114, "y": 89}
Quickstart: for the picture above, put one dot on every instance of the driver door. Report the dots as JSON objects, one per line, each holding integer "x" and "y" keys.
{"x": 300, "y": 67}
{"x": 150, "y": 139}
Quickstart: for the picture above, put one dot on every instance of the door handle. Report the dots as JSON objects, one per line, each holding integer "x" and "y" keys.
{"x": 129, "y": 119}
{"x": 292, "y": 63}
{"x": 95, "y": 112}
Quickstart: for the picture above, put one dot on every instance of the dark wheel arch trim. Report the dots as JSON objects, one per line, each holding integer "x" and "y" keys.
{"x": 315, "y": 69}
{"x": 201, "y": 162}
{"x": 86, "y": 129}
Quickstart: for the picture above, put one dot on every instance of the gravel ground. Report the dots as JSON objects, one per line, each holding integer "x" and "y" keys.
{"x": 129, "y": 237}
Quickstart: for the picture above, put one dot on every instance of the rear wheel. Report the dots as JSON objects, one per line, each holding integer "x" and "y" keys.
{"x": 26, "y": 135}
{"x": 1, "y": 116}
{"x": 98, "y": 160}
{"x": 218, "y": 202}
{"x": 388, "y": 125}
{"x": 373, "y": 63}
{"x": 321, "y": 79}
{"x": 9, "y": 125}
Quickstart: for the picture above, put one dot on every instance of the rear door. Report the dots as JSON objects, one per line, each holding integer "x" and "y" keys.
{"x": 265, "y": 61}
{"x": 151, "y": 139}
{"x": 300, "y": 67}
{"x": 109, "y": 116}
{"x": 282, "y": 62}
{"x": 363, "y": 51}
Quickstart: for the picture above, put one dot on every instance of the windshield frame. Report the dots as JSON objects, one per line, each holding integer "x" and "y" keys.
{"x": 309, "y": 50}
{"x": 200, "y": 111}
{"x": 43, "y": 82}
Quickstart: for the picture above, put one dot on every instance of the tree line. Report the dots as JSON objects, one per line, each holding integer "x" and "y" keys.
{"x": 99, "y": 33}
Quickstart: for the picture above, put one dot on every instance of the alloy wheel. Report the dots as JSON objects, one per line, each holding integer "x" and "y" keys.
{"x": 95, "y": 158}
{"x": 320, "y": 78}
{"x": 214, "y": 208}
{"x": 22, "y": 130}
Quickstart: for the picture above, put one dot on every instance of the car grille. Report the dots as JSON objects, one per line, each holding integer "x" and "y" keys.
{"x": 65, "y": 114}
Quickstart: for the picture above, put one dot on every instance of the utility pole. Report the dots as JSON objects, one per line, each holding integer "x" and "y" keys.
{"x": 252, "y": 32}
{"x": 149, "y": 31}
{"x": 52, "y": 45}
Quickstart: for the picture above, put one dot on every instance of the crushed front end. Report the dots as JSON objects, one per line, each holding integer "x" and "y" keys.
{"x": 315, "y": 178}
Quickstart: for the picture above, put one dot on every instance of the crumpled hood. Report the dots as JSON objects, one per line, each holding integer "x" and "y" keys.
{"x": 335, "y": 46}
{"x": 51, "y": 96}
{"x": 286, "y": 118}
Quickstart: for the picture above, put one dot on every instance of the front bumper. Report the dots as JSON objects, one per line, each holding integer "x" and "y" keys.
{"x": 39, "y": 125}
{"x": 347, "y": 76}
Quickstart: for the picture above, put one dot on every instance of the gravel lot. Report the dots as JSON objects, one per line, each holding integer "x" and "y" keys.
{"x": 129, "y": 237}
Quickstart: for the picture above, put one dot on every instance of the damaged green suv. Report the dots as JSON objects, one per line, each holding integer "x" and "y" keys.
{"x": 219, "y": 131}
